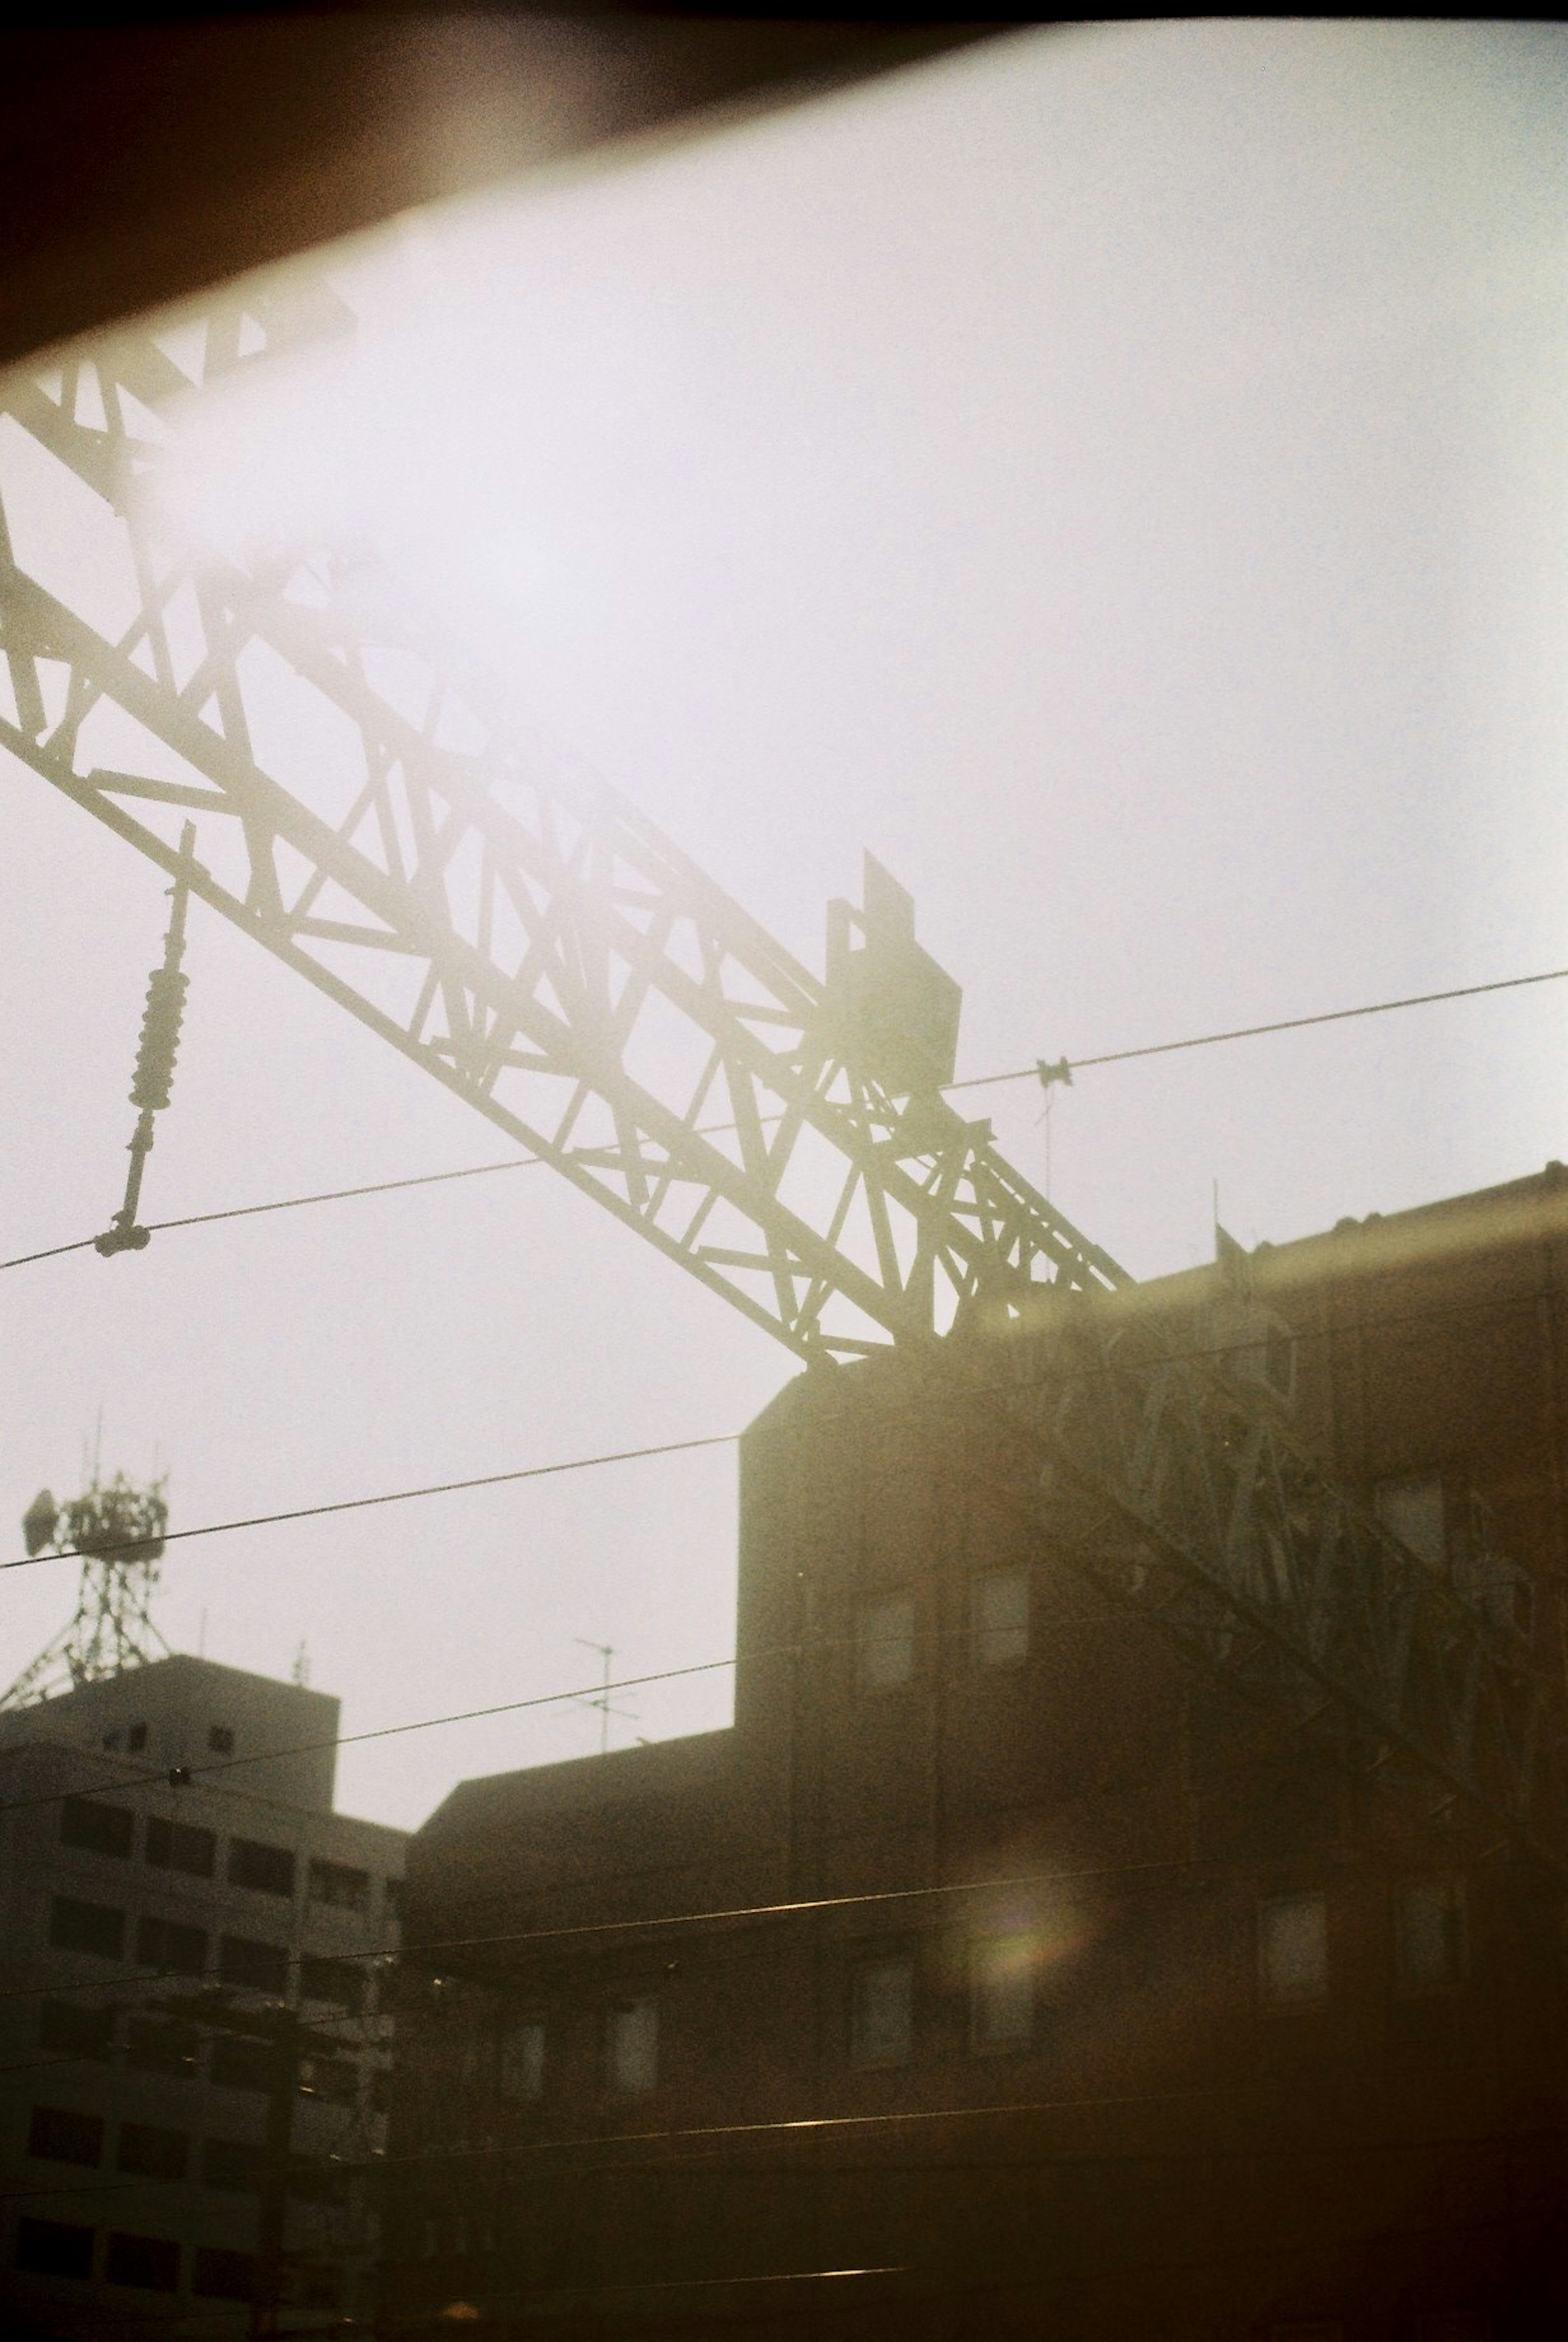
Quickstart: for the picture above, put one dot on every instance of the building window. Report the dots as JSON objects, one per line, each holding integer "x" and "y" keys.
{"x": 136, "y": 1739}
{"x": 172, "y": 1949}
{"x": 333, "y": 2079}
{"x": 999, "y": 1617}
{"x": 233, "y": 2164}
{"x": 337, "y": 1882}
{"x": 631, "y": 2048}
{"x": 1293, "y": 1949}
{"x": 1001, "y": 1992}
{"x": 340, "y": 1983}
{"x": 884, "y": 1643}
{"x": 243, "y": 2064}
{"x": 221, "y": 2276}
{"x": 75, "y": 2031}
{"x": 62, "y": 2134}
{"x": 151, "y": 2152}
{"x": 262, "y": 1967}
{"x": 1429, "y": 1934}
{"x": 151, "y": 2262}
{"x": 1413, "y": 1511}
{"x": 86, "y": 1927}
{"x": 179, "y": 1845}
{"x": 266, "y": 1869}
{"x": 220, "y": 1740}
{"x": 54, "y": 2249}
{"x": 101, "y": 1829}
{"x": 520, "y": 2064}
{"x": 882, "y": 2012}
{"x": 314, "y": 2181}
{"x": 155, "y": 2044}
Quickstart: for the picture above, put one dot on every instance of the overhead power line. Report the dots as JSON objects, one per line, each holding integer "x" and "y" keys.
{"x": 1192, "y": 1353}
{"x": 1063, "y": 1069}
{"x": 1067, "y": 1066}
{"x": 389, "y": 1496}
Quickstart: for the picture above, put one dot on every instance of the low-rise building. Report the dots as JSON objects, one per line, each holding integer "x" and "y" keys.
{"x": 166, "y": 1832}
{"x": 1002, "y": 1971}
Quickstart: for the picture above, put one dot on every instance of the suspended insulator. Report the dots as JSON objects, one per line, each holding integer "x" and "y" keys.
{"x": 160, "y": 1039}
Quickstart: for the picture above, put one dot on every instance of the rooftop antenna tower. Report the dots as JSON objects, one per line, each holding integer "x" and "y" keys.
{"x": 118, "y": 1530}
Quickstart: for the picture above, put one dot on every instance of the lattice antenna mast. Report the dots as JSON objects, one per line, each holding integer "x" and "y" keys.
{"x": 119, "y": 1531}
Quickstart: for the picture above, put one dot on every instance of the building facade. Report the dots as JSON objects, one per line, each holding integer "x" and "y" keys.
{"x": 170, "y": 1846}
{"x": 1000, "y": 1971}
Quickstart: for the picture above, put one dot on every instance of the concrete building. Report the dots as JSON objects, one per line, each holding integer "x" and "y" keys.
{"x": 168, "y": 1830}
{"x": 999, "y": 1972}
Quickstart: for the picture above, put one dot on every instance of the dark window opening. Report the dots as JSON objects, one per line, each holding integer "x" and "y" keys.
{"x": 221, "y": 2276}
{"x": 335, "y": 2080}
{"x": 151, "y": 2152}
{"x": 155, "y": 2044}
{"x": 151, "y": 2262}
{"x": 242, "y": 2065}
{"x": 176, "y": 1950}
{"x": 264, "y": 1968}
{"x": 221, "y": 1740}
{"x": 62, "y": 2134}
{"x": 54, "y": 2249}
{"x": 340, "y": 1982}
{"x": 267, "y": 1869}
{"x": 336, "y": 1882}
{"x": 75, "y": 2031}
{"x": 179, "y": 1845}
{"x": 136, "y": 1739}
{"x": 314, "y": 2182}
{"x": 101, "y": 1829}
{"x": 234, "y": 2163}
{"x": 86, "y": 1927}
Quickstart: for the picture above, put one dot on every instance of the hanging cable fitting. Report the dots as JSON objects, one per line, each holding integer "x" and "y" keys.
{"x": 155, "y": 1052}
{"x": 1061, "y": 1071}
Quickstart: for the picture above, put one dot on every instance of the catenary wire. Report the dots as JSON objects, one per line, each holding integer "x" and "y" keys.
{"x": 1068, "y": 1066}
{"x": 1361, "y": 1324}
{"x": 1255, "y": 1032}
{"x": 978, "y": 1391}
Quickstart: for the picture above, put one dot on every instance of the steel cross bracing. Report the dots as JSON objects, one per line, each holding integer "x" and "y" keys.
{"x": 528, "y": 939}
{"x": 534, "y": 943}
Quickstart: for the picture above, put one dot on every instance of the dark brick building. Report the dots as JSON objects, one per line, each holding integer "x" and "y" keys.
{"x": 999, "y": 1973}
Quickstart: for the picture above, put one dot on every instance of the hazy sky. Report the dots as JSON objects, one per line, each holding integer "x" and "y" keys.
{"x": 1117, "y": 475}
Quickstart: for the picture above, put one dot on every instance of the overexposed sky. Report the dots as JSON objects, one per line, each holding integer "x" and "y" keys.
{"x": 1118, "y": 477}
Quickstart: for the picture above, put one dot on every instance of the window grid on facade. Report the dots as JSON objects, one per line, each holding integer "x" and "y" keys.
{"x": 1293, "y": 1949}
{"x": 999, "y": 1617}
{"x": 884, "y": 1642}
{"x": 882, "y": 2011}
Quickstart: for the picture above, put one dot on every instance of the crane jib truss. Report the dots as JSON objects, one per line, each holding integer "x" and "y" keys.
{"x": 526, "y": 936}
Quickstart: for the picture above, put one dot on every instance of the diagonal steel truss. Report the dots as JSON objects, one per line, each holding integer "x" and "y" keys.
{"x": 529, "y": 939}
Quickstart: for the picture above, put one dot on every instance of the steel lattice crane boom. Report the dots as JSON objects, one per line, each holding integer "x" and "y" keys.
{"x": 540, "y": 948}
